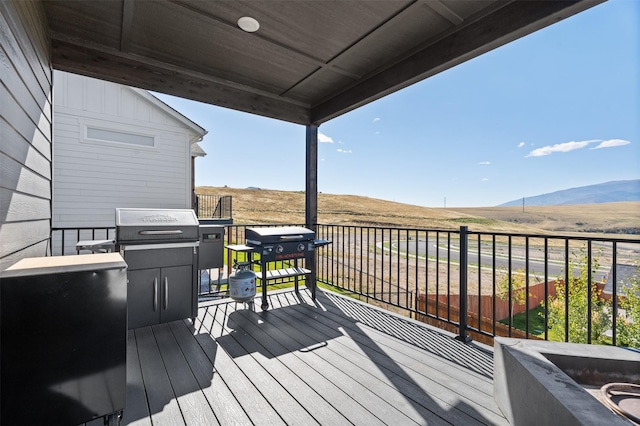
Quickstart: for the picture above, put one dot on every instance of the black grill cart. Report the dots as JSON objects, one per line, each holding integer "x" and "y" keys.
{"x": 281, "y": 244}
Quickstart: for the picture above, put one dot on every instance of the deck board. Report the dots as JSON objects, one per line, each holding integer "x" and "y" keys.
{"x": 137, "y": 410}
{"x": 333, "y": 361}
{"x": 240, "y": 384}
{"x": 223, "y": 403}
{"x": 288, "y": 369}
{"x": 366, "y": 364}
{"x": 251, "y": 358}
{"x": 416, "y": 371}
{"x": 163, "y": 406}
{"x": 310, "y": 361}
{"x": 361, "y": 384}
{"x": 193, "y": 404}
{"x": 334, "y": 404}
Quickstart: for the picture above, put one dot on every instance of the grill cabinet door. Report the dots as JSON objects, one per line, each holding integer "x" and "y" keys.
{"x": 154, "y": 274}
{"x": 176, "y": 293}
{"x": 159, "y": 295}
{"x": 144, "y": 303}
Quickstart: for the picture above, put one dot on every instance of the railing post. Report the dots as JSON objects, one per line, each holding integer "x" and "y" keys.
{"x": 464, "y": 254}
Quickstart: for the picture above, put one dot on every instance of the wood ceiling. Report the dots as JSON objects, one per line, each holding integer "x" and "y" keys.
{"x": 310, "y": 61}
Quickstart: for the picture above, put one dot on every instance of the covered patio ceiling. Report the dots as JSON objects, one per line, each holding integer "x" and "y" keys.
{"x": 309, "y": 61}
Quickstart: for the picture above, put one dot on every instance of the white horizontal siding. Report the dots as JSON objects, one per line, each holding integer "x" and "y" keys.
{"x": 111, "y": 165}
{"x": 93, "y": 178}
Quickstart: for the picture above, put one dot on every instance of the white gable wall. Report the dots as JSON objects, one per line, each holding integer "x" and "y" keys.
{"x": 91, "y": 177}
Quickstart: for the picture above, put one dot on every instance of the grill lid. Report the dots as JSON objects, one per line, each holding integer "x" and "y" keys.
{"x": 259, "y": 236}
{"x": 143, "y": 225}
{"x": 155, "y": 217}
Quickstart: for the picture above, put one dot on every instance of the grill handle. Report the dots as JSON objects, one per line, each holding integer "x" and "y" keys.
{"x": 166, "y": 293}
{"x": 155, "y": 294}
{"x": 291, "y": 237}
{"x": 167, "y": 232}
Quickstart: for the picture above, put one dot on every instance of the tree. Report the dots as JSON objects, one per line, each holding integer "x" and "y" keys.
{"x": 570, "y": 306}
{"x": 513, "y": 284}
{"x": 629, "y": 324}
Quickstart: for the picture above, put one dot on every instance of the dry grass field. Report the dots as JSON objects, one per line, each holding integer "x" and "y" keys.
{"x": 261, "y": 206}
{"x": 610, "y": 218}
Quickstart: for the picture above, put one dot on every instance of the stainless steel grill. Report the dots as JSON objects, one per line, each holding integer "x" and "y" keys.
{"x": 160, "y": 247}
{"x": 153, "y": 226}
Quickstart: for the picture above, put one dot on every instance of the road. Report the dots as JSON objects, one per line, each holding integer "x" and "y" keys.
{"x": 536, "y": 266}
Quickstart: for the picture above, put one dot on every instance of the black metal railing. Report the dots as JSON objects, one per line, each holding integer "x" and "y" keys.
{"x": 214, "y": 206}
{"x": 524, "y": 285}
{"x": 64, "y": 240}
{"x": 481, "y": 283}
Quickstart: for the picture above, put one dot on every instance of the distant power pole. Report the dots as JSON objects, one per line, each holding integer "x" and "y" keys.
{"x": 522, "y": 204}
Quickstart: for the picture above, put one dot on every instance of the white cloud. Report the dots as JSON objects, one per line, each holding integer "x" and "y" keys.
{"x": 344, "y": 151}
{"x": 322, "y": 138}
{"x": 375, "y": 120}
{"x": 521, "y": 144}
{"x": 484, "y": 163}
{"x": 559, "y": 147}
{"x": 611, "y": 143}
{"x": 485, "y": 179}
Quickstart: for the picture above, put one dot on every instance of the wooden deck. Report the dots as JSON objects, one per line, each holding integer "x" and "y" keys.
{"x": 334, "y": 362}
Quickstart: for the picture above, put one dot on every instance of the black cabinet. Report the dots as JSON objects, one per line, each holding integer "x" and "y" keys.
{"x": 162, "y": 283}
{"x": 64, "y": 339}
{"x": 159, "y": 295}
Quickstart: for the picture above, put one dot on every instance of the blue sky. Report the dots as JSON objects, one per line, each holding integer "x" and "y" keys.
{"x": 557, "y": 109}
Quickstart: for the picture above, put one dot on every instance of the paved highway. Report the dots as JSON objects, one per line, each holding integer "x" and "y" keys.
{"x": 536, "y": 266}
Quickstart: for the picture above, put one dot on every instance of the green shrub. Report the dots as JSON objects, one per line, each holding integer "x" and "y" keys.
{"x": 574, "y": 297}
{"x": 629, "y": 324}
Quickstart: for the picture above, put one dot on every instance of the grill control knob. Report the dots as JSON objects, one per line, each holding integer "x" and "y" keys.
{"x": 300, "y": 247}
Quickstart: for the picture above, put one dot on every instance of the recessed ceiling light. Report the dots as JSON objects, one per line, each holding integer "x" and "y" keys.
{"x": 248, "y": 24}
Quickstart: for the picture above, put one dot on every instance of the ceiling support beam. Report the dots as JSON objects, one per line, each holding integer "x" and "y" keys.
{"x": 129, "y": 70}
{"x": 127, "y": 24}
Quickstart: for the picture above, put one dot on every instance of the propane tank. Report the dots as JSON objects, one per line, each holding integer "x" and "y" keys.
{"x": 242, "y": 283}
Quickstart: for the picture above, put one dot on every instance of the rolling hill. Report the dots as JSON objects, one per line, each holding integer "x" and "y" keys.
{"x": 261, "y": 206}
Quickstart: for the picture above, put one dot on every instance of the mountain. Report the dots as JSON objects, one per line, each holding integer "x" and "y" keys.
{"x": 608, "y": 192}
